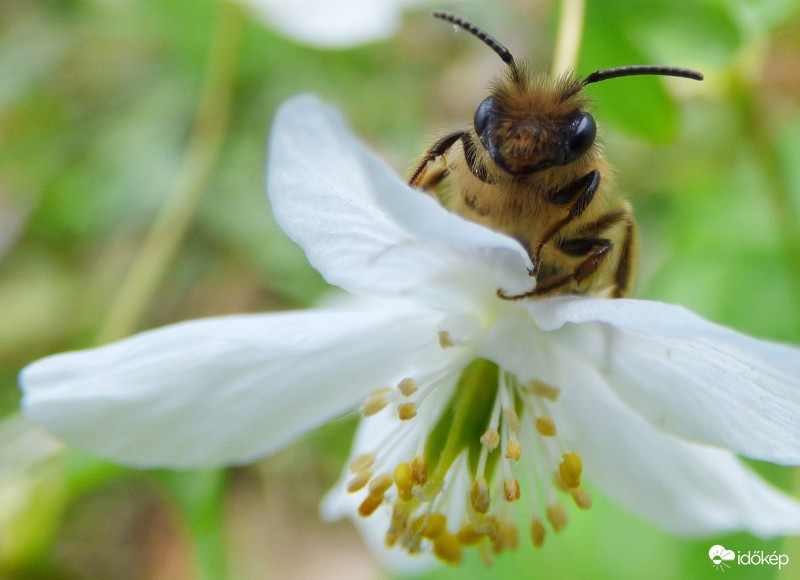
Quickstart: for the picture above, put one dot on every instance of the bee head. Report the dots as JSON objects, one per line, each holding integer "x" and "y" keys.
{"x": 524, "y": 142}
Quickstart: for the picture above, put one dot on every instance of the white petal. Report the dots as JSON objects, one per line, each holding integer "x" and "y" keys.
{"x": 325, "y": 23}
{"x": 365, "y": 230}
{"x": 225, "y": 390}
{"x": 686, "y": 488}
{"x": 686, "y": 375}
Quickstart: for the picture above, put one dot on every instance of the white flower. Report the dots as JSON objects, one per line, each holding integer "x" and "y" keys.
{"x": 469, "y": 401}
{"x": 332, "y": 23}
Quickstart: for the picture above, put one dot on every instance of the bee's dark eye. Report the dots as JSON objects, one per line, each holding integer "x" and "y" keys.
{"x": 582, "y": 132}
{"x": 482, "y": 114}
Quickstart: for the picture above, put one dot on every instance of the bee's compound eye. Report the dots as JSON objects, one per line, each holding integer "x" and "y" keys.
{"x": 482, "y": 114}
{"x": 583, "y": 130}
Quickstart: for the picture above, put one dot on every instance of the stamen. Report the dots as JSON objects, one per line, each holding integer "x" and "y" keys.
{"x": 434, "y": 526}
{"x": 479, "y": 496}
{"x": 543, "y": 390}
{"x": 512, "y": 419}
{"x": 490, "y": 439}
{"x": 359, "y": 481}
{"x": 538, "y": 532}
{"x": 468, "y": 535}
{"x": 513, "y": 450}
{"x": 447, "y": 548}
{"x": 376, "y": 401}
{"x": 511, "y": 489}
{"x": 404, "y": 482}
{"x": 546, "y": 426}
{"x": 380, "y": 484}
{"x": 419, "y": 471}
{"x": 570, "y": 470}
{"x": 582, "y": 498}
{"x": 445, "y": 341}
{"x": 369, "y": 505}
{"x": 407, "y": 387}
{"x": 362, "y": 463}
{"x": 504, "y": 536}
{"x": 557, "y": 516}
{"x": 407, "y": 411}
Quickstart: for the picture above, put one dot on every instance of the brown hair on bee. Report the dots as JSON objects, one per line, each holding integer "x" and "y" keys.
{"x": 531, "y": 168}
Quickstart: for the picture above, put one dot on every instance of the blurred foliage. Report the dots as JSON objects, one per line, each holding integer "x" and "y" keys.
{"x": 98, "y": 101}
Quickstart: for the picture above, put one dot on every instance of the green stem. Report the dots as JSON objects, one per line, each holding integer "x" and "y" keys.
{"x": 202, "y": 152}
{"x": 568, "y": 39}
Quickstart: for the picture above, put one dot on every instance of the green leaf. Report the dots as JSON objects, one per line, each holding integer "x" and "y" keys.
{"x": 639, "y": 105}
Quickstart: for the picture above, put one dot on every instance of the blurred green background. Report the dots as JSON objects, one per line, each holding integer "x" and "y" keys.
{"x": 132, "y": 147}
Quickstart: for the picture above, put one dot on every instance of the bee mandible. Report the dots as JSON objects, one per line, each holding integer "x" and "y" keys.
{"x": 530, "y": 166}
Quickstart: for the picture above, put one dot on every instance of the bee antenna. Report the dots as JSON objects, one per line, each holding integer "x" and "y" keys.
{"x": 642, "y": 69}
{"x": 487, "y": 39}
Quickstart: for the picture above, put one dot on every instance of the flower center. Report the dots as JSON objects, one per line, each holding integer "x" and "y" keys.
{"x": 474, "y": 453}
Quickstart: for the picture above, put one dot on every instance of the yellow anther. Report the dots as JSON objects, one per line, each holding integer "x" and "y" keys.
{"x": 512, "y": 419}
{"x": 445, "y": 341}
{"x": 538, "y": 532}
{"x": 359, "y": 481}
{"x": 510, "y": 536}
{"x": 557, "y": 516}
{"x": 582, "y": 498}
{"x": 504, "y": 536}
{"x": 416, "y": 525}
{"x": 407, "y": 411}
{"x": 479, "y": 496}
{"x": 376, "y": 401}
{"x": 511, "y": 489}
{"x": 380, "y": 484}
{"x": 545, "y": 426}
{"x": 514, "y": 450}
{"x": 447, "y": 548}
{"x": 419, "y": 471}
{"x": 407, "y": 387}
{"x": 490, "y": 439}
{"x": 369, "y": 505}
{"x": 468, "y": 535}
{"x": 543, "y": 390}
{"x": 432, "y": 526}
{"x": 402, "y": 479}
{"x": 362, "y": 463}
{"x": 570, "y": 470}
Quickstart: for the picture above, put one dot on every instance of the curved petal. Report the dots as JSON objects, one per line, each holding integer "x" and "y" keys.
{"x": 367, "y": 231}
{"x": 331, "y": 24}
{"x": 683, "y": 487}
{"x": 686, "y": 375}
{"x": 225, "y": 390}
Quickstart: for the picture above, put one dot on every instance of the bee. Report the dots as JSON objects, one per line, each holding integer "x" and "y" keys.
{"x": 530, "y": 167}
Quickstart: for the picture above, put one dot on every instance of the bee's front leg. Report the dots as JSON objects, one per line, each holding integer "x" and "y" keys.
{"x": 436, "y": 150}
